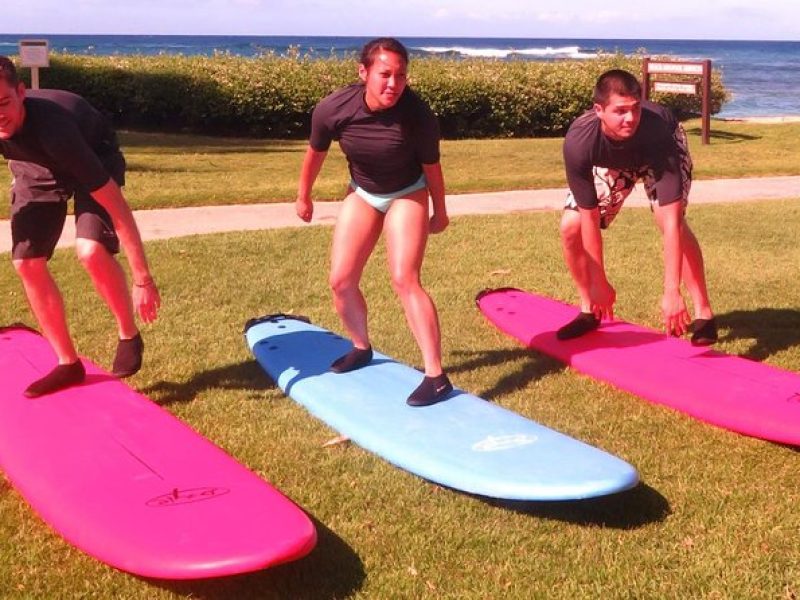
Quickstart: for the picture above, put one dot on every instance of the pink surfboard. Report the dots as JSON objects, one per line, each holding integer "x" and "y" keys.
{"x": 126, "y": 482}
{"x": 728, "y": 391}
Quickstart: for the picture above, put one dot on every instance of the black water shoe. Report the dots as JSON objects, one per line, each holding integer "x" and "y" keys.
{"x": 704, "y": 332}
{"x": 580, "y": 325}
{"x": 355, "y": 359}
{"x": 128, "y": 359}
{"x": 63, "y": 376}
{"x": 430, "y": 391}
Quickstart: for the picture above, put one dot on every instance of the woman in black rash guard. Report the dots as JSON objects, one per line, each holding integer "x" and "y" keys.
{"x": 391, "y": 140}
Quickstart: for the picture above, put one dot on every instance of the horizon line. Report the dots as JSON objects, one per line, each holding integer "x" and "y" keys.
{"x": 368, "y": 36}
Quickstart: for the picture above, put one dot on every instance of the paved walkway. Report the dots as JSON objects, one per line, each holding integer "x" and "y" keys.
{"x": 167, "y": 223}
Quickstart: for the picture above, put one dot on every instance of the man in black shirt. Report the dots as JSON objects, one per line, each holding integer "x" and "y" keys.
{"x": 58, "y": 146}
{"x": 606, "y": 150}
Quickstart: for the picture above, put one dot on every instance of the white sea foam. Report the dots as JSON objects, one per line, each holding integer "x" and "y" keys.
{"x": 761, "y": 75}
{"x": 539, "y": 52}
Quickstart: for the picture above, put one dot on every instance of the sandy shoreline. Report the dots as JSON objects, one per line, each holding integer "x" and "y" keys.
{"x": 765, "y": 120}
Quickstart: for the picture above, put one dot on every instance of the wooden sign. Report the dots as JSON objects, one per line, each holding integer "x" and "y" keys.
{"x": 34, "y": 54}
{"x": 697, "y": 72}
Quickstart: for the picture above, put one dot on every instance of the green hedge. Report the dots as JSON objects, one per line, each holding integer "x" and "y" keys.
{"x": 272, "y": 96}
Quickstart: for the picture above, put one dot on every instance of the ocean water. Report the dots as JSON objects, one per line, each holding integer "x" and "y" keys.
{"x": 763, "y": 76}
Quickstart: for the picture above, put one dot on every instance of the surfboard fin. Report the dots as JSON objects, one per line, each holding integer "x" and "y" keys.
{"x": 274, "y": 318}
{"x": 487, "y": 291}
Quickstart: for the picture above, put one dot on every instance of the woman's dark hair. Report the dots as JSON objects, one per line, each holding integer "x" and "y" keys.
{"x": 387, "y": 44}
{"x": 8, "y": 72}
{"x": 616, "y": 81}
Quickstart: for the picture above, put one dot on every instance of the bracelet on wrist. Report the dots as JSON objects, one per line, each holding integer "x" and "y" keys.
{"x": 146, "y": 283}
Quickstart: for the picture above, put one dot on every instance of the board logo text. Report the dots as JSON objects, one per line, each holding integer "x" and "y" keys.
{"x": 493, "y": 443}
{"x": 177, "y": 496}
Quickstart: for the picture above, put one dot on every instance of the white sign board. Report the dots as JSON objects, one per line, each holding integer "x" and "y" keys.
{"x": 34, "y": 53}
{"x": 675, "y": 68}
{"x": 675, "y": 88}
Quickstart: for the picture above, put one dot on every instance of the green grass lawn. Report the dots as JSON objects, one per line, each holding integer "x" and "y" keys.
{"x": 716, "y": 515}
{"x": 167, "y": 170}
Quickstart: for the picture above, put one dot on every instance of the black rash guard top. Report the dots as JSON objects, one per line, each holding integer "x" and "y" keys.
{"x": 64, "y": 143}
{"x": 385, "y": 149}
{"x": 653, "y": 147}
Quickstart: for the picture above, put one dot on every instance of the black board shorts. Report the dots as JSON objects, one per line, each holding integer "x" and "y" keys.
{"x": 36, "y": 226}
{"x": 615, "y": 185}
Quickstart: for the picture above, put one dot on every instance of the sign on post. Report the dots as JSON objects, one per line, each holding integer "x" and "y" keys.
{"x": 675, "y": 88}
{"x": 698, "y": 74}
{"x": 34, "y": 54}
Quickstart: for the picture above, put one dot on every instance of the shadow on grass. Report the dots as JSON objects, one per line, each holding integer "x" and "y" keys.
{"x": 179, "y": 143}
{"x": 133, "y": 167}
{"x": 773, "y": 329}
{"x": 637, "y": 507}
{"x": 723, "y": 136}
{"x": 236, "y": 376}
{"x": 331, "y": 570}
{"x": 535, "y": 366}
{"x": 175, "y": 149}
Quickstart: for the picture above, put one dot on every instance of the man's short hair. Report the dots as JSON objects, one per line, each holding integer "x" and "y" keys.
{"x": 616, "y": 81}
{"x": 8, "y": 72}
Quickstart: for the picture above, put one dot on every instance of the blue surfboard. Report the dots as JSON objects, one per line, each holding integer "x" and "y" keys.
{"x": 464, "y": 442}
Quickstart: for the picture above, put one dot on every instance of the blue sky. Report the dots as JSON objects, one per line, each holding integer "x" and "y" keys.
{"x": 665, "y": 19}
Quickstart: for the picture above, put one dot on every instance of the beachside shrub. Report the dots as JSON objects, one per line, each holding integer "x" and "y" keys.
{"x": 273, "y": 96}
